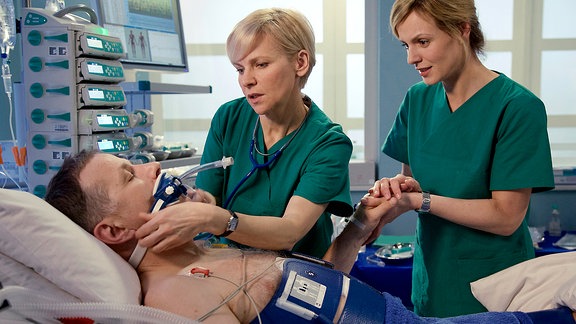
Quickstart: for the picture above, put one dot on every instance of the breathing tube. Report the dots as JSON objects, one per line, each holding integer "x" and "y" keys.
{"x": 32, "y": 306}
{"x": 168, "y": 190}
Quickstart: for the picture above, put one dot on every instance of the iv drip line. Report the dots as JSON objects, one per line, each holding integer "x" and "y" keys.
{"x": 8, "y": 39}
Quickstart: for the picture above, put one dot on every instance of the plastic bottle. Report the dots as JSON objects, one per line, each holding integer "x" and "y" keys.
{"x": 555, "y": 227}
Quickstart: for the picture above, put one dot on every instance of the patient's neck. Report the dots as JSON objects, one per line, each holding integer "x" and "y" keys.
{"x": 124, "y": 249}
{"x": 177, "y": 258}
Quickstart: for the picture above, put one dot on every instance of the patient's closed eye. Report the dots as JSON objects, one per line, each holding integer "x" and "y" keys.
{"x": 128, "y": 173}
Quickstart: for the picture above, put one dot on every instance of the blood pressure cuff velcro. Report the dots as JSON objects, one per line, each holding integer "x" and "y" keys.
{"x": 313, "y": 293}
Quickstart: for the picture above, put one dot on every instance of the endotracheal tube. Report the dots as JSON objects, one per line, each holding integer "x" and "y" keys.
{"x": 170, "y": 184}
{"x": 225, "y": 162}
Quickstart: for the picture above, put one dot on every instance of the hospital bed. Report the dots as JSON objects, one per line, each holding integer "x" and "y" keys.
{"x": 50, "y": 268}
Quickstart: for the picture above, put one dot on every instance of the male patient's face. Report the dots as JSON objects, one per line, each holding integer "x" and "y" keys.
{"x": 128, "y": 186}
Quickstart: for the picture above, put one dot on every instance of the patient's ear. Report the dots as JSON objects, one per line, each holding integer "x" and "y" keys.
{"x": 111, "y": 234}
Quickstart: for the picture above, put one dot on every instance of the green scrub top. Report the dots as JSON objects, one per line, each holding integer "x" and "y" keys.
{"x": 497, "y": 140}
{"x": 313, "y": 166}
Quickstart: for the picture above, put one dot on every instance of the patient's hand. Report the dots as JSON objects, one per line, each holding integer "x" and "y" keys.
{"x": 366, "y": 224}
{"x": 375, "y": 214}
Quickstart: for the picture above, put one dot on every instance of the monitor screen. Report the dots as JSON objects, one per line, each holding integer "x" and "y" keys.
{"x": 150, "y": 30}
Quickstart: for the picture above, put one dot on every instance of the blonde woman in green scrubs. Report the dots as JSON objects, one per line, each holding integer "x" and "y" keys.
{"x": 290, "y": 171}
{"x": 475, "y": 142}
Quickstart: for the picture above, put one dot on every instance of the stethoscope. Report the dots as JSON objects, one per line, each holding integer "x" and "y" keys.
{"x": 272, "y": 157}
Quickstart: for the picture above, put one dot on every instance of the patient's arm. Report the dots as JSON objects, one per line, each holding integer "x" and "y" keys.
{"x": 188, "y": 297}
{"x": 367, "y": 224}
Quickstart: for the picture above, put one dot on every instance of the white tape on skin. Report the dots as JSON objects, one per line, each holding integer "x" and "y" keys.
{"x": 358, "y": 223}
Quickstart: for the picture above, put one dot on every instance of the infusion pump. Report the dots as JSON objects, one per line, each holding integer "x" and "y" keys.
{"x": 73, "y": 98}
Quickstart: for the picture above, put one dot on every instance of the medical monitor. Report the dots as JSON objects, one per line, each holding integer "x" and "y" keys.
{"x": 150, "y": 30}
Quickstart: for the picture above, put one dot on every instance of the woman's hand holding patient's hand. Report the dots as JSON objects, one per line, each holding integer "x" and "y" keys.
{"x": 394, "y": 187}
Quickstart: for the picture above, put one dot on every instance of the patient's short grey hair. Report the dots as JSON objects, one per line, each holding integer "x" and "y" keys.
{"x": 84, "y": 206}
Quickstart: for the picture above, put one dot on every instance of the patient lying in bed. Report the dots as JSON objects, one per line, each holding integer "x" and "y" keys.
{"x": 224, "y": 285}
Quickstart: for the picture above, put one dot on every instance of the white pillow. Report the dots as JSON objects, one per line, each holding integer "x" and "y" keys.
{"x": 567, "y": 294}
{"x": 542, "y": 283}
{"x": 37, "y": 235}
{"x": 14, "y": 273}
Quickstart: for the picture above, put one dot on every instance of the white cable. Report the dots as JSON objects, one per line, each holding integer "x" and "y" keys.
{"x": 237, "y": 290}
{"x": 5, "y": 173}
{"x": 5, "y": 180}
{"x": 10, "y": 118}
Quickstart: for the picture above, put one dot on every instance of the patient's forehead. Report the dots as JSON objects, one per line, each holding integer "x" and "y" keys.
{"x": 104, "y": 170}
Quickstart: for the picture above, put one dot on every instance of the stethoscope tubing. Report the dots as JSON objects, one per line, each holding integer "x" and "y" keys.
{"x": 255, "y": 166}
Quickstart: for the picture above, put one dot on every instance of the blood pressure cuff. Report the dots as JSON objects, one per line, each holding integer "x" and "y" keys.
{"x": 313, "y": 293}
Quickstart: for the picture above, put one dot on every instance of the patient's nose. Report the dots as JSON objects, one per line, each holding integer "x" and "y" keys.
{"x": 148, "y": 170}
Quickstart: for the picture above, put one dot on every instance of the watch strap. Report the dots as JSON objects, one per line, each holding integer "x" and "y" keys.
{"x": 232, "y": 224}
{"x": 425, "y": 208}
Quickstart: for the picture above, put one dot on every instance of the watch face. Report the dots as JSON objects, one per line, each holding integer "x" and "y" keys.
{"x": 232, "y": 224}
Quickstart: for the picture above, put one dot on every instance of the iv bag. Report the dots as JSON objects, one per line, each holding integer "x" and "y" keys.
{"x": 54, "y": 5}
{"x": 7, "y": 26}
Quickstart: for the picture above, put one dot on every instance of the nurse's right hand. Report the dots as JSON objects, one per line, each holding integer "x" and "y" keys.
{"x": 178, "y": 224}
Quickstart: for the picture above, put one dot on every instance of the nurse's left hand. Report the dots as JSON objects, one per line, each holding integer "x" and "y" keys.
{"x": 394, "y": 187}
{"x": 175, "y": 225}
{"x": 199, "y": 195}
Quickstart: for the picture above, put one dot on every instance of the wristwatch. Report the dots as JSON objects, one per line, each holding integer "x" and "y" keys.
{"x": 232, "y": 224}
{"x": 425, "y": 208}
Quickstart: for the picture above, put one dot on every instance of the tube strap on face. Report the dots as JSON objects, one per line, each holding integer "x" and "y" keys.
{"x": 167, "y": 190}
